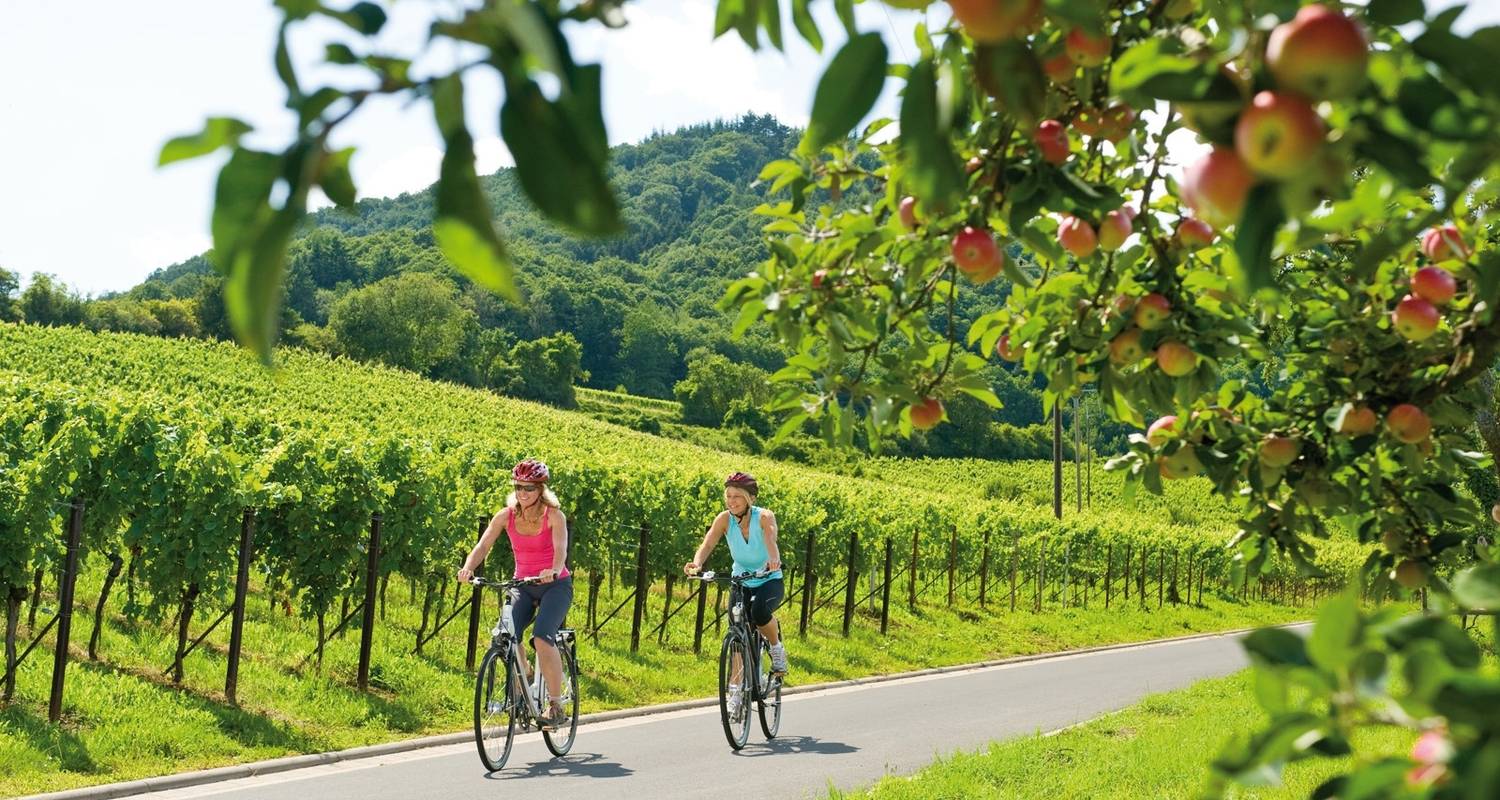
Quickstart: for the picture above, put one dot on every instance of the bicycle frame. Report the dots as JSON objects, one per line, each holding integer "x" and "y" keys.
{"x": 742, "y": 627}
{"x": 505, "y": 639}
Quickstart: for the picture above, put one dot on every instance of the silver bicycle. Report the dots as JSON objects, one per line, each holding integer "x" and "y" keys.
{"x": 503, "y": 700}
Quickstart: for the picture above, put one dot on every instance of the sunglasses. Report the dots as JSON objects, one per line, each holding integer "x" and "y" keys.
{"x": 525, "y": 487}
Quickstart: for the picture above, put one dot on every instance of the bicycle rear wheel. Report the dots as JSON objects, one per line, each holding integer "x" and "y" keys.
{"x": 737, "y": 724}
{"x": 494, "y": 709}
{"x": 769, "y": 703}
{"x": 560, "y": 741}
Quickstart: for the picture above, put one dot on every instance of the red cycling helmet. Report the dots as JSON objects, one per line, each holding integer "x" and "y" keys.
{"x": 742, "y": 480}
{"x": 530, "y": 471}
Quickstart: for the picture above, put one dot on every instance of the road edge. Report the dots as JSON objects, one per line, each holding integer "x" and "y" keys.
{"x": 109, "y": 791}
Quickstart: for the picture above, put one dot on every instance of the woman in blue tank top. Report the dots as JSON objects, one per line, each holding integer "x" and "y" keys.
{"x": 751, "y": 533}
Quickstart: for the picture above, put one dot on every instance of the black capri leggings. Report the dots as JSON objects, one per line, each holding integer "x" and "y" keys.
{"x": 547, "y": 602}
{"x": 764, "y": 599}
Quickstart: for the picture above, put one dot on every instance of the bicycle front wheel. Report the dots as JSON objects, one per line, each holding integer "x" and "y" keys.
{"x": 494, "y": 710}
{"x": 560, "y": 741}
{"x": 734, "y": 691}
{"x": 770, "y": 701}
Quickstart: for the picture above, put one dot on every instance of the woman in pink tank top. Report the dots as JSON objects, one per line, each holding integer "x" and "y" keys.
{"x": 538, "y": 533}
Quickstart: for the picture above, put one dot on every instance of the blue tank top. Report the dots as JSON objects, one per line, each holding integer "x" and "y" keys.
{"x": 750, "y": 556}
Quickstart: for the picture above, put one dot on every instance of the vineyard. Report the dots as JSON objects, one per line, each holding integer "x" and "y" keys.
{"x": 160, "y": 458}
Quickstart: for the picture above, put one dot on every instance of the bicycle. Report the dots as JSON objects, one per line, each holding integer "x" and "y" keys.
{"x": 744, "y": 642}
{"x": 513, "y": 700}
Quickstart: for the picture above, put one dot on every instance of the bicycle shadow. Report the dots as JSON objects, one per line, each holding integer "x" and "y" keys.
{"x": 588, "y": 765}
{"x": 797, "y": 744}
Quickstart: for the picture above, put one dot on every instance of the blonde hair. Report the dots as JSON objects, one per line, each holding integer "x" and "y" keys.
{"x": 548, "y": 499}
{"x": 749, "y": 498}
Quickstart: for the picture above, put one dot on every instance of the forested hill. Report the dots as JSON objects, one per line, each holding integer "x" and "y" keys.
{"x": 637, "y": 303}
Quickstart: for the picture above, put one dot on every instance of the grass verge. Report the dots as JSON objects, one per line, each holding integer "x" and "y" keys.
{"x": 123, "y": 719}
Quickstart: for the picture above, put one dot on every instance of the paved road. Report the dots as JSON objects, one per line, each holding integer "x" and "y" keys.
{"x": 847, "y": 736}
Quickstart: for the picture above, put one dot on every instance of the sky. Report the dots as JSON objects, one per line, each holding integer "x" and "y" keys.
{"x": 104, "y": 84}
{"x": 96, "y": 86}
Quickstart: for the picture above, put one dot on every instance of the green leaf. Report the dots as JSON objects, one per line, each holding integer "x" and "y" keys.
{"x": 1256, "y": 235}
{"x": 1158, "y": 68}
{"x": 336, "y": 180}
{"x": 1469, "y": 699}
{"x": 366, "y": 18}
{"x": 847, "y": 91}
{"x": 1398, "y": 156}
{"x": 803, "y": 20}
{"x": 845, "y": 11}
{"x": 982, "y": 394}
{"x": 1395, "y": 12}
{"x": 252, "y": 292}
{"x": 935, "y": 174}
{"x": 339, "y": 54}
{"x": 462, "y": 225}
{"x": 1470, "y": 59}
{"x": 770, "y": 20}
{"x": 284, "y": 68}
{"x": 1276, "y": 647}
{"x": 241, "y": 202}
{"x": 1478, "y": 588}
{"x": 560, "y": 152}
{"x": 217, "y": 132}
{"x": 1336, "y": 634}
{"x": 1010, "y": 73}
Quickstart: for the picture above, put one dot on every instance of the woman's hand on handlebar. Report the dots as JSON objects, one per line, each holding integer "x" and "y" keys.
{"x": 691, "y": 568}
{"x": 465, "y": 574}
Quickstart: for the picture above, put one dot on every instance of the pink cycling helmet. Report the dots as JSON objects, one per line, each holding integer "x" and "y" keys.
{"x": 530, "y": 471}
{"x": 742, "y": 480}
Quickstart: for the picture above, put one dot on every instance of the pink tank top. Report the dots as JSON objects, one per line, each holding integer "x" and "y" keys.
{"x": 533, "y": 553}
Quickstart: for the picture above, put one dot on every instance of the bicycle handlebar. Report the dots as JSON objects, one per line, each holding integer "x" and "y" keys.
{"x": 740, "y": 578}
{"x": 505, "y": 584}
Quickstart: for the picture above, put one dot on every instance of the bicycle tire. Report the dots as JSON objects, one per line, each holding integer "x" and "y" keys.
{"x": 737, "y": 731}
{"x": 557, "y": 745}
{"x": 494, "y": 716}
{"x": 769, "y": 703}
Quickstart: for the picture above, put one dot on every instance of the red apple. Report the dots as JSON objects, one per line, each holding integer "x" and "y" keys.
{"x": 1153, "y": 433}
{"x": 1444, "y": 243}
{"x": 1152, "y": 311}
{"x": 1410, "y": 574}
{"x": 1182, "y": 464}
{"x": 1077, "y": 237}
{"x": 1195, "y": 233}
{"x": 1408, "y": 423}
{"x": 1432, "y": 747}
{"x": 976, "y": 254}
{"x": 1415, "y": 318}
{"x": 1114, "y": 230}
{"x": 1279, "y": 134}
{"x": 908, "y": 213}
{"x": 1434, "y": 284}
{"x": 1320, "y": 53}
{"x": 1005, "y": 351}
{"x": 1495, "y": 513}
{"x": 818, "y": 278}
{"x": 1126, "y": 348}
{"x": 1216, "y": 187}
{"x": 1088, "y": 121}
{"x": 926, "y": 414}
{"x": 1087, "y": 49}
{"x": 1116, "y": 121}
{"x": 1277, "y": 452}
{"x": 1360, "y": 421}
{"x": 993, "y": 21}
{"x": 1175, "y": 359}
{"x": 1059, "y": 68}
{"x": 1052, "y": 140}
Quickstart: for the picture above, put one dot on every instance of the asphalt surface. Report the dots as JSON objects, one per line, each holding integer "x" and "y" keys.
{"x": 845, "y": 737}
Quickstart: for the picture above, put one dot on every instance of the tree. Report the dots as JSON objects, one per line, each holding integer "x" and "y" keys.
{"x": 10, "y": 284}
{"x": 412, "y": 321}
{"x": 1342, "y": 220}
{"x": 543, "y": 369}
{"x": 47, "y": 301}
{"x": 713, "y": 384}
{"x": 648, "y": 352}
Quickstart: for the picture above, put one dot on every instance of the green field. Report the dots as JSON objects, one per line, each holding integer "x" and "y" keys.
{"x": 138, "y": 424}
